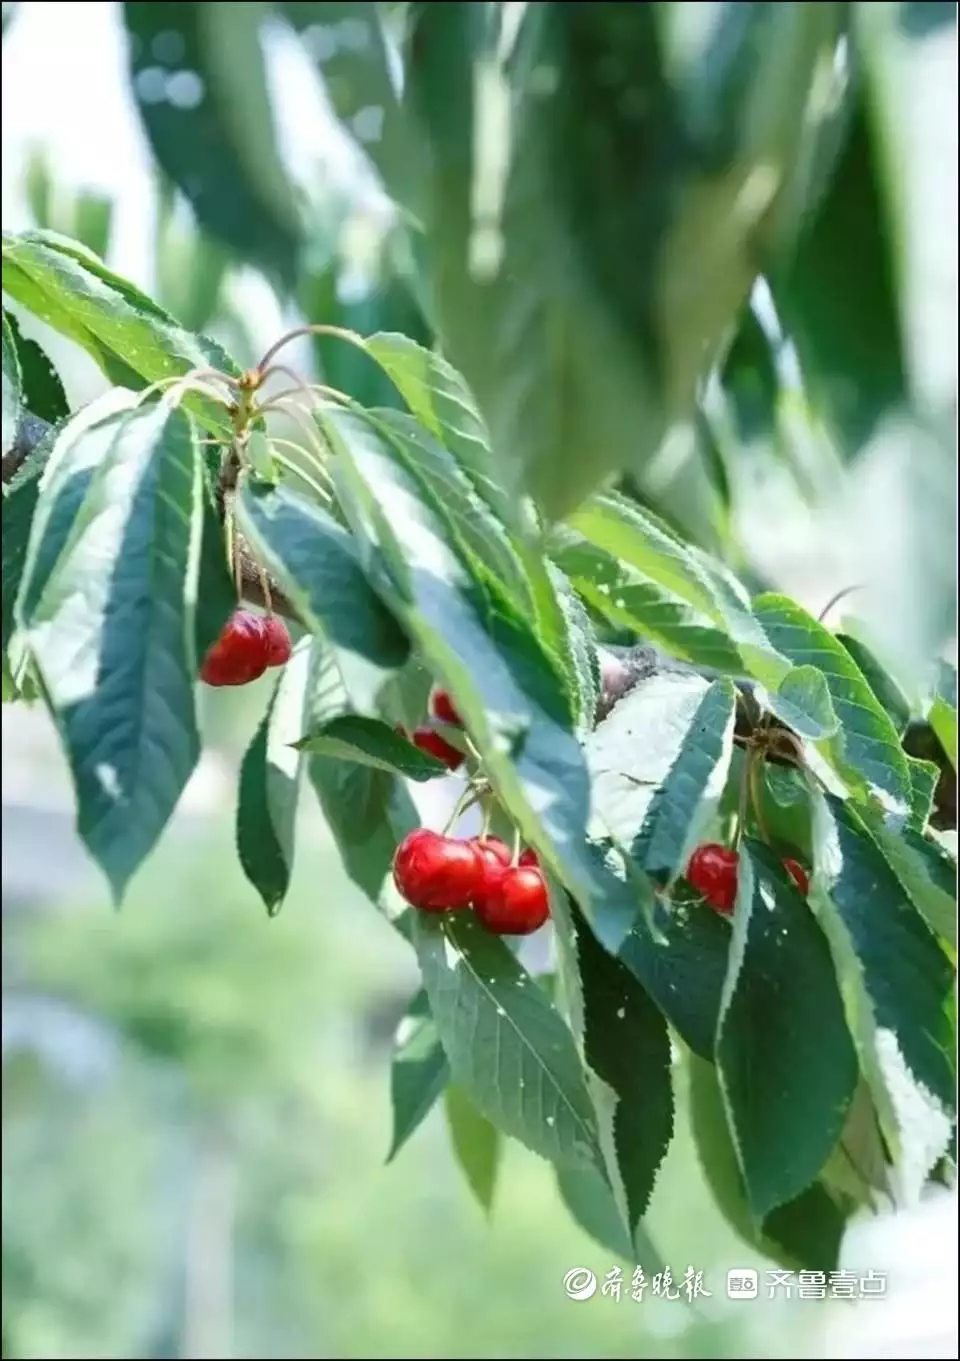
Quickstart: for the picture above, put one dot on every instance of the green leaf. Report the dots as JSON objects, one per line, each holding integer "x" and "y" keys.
{"x": 627, "y": 1046}
{"x": 866, "y": 751}
{"x": 504, "y": 684}
{"x": 592, "y": 1205}
{"x": 132, "y": 339}
{"x": 43, "y": 393}
{"x": 629, "y": 599}
{"x": 943, "y": 721}
{"x": 216, "y": 590}
{"x": 685, "y": 803}
{"x": 587, "y": 266}
{"x": 837, "y": 298}
{"x": 371, "y": 742}
{"x": 18, "y": 509}
{"x": 446, "y": 487}
{"x": 200, "y": 87}
{"x": 886, "y": 690}
{"x": 501, "y": 561}
{"x": 316, "y": 563}
{"x": 444, "y": 405}
{"x": 923, "y": 783}
{"x": 506, "y": 1044}
{"x": 659, "y": 764}
{"x": 683, "y": 970}
{"x": 584, "y": 664}
{"x": 352, "y": 52}
{"x": 895, "y": 983}
{"x": 802, "y": 701}
{"x": 12, "y": 396}
{"x": 786, "y": 1061}
{"x": 633, "y": 535}
{"x": 926, "y": 877}
{"x": 804, "y": 1234}
{"x": 476, "y": 1144}
{"x": 368, "y": 811}
{"x": 270, "y": 785}
{"x": 116, "y": 649}
{"x": 419, "y": 1072}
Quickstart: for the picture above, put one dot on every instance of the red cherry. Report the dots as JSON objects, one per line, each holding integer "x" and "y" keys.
{"x": 713, "y": 872}
{"x": 798, "y": 874}
{"x": 240, "y": 653}
{"x": 436, "y": 873}
{"x": 441, "y": 707}
{"x": 529, "y": 857}
{"x": 496, "y": 853}
{"x": 427, "y": 740}
{"x": 279, "y": 645}
{"x": 513, "y": 901}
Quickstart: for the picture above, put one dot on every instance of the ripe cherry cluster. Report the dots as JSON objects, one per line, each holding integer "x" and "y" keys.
{"x": 437, "y": 873}
{"x": 713, "y": 872}
{"x": 248, "y": 644}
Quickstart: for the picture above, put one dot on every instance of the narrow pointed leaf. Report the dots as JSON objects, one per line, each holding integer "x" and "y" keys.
{"x": 134, "y": 341}
{"x": 12, "y": 395}
{"x": 367, "y": 810}
{"x": 866, "y": 750}
{"x": 476, "y": 1144}
{"x": 786, "y": 1061}
{"x": 116, "y": 649}
{"x": 804, "y": 1234}
{"x": 316, "y": 563}
{"x": 659, "y": 763}
{"x": 506, "y": 1044}
{"x": 43, "y": 394}
{"x": 627, "y": 1046}
{"x": 418, "y": 1072}
{"x": 370, "y": 742}
{"x": 212, "y": 134}
{"x": 896, "y": 982}
{"x": 270, "y": 784}
{"x": 630, "y": 599}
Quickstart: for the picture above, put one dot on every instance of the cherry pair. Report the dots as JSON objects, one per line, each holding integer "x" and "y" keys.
{"x": 248, "y": 644}
{"x": 429, "y": 740}
{"x": 713, "y": 872}
{"x": 440, "y": 873}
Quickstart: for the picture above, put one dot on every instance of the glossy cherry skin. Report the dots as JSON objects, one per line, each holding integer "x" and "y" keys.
{"x": 437, "y": 873}
{"x": 529, "y": 857}
{"x": 428, "y": 740}
{"x": 441, "y": 708}
{"x": 240, "y": 654}
{"x": 494, "y": 852}
{"x": 798, "y": 874}
{"x": 713, "y": 872}
{"x": 513, "y": 902}
{"x": 279, "y": 645}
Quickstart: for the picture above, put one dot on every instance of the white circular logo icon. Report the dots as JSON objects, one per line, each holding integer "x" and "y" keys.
{"x": 580, "y": 1283}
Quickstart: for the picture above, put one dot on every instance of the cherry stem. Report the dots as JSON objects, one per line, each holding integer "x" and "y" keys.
{"x": 514, "y": 859}
{"x": 744, "y": 799}
{"x": 191, "y": 377}
{"x": 295, "y": 470}
{"x": 756, "y": 774}
{"x": 233, "y": 557}
{"x": 487, "y": 803}
{"x": 835, "y": 600}
{"x": 316, "y": 330}
{"x": 467, "y": 799}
